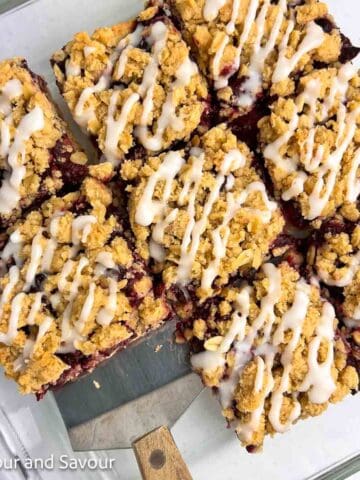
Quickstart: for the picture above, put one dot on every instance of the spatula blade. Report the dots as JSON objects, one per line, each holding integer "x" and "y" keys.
{"x": 138, "y": 371}
{"x": 122, "y": 426}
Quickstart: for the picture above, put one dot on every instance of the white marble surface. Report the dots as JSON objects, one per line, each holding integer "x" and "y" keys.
{"x": 210, "y": 450}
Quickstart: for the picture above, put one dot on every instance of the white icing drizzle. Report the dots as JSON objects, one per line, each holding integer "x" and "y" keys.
{"x": 52, "y": 243}
{"x": 148, "y": 208}
{"x": 15, "y": 312}
{"x": 86, "y": 309}
{"x": 29, "y": 124}
{"x": 314, "y": 37}
{"x": 168, "y": 116}
{"x": 85, "y": 113}
{"x": 145, "y": 93}
{"x": 13, "y": 248}
{"x": 261, "y": 51}
{"x": 262, "y": 48}
{"x": 69, "y": 333}
{"x": 319, "y": 382}
{"x": 106, "y": 314}
{"x": 347, "y": 278}
{"x": 31, "y": 345}
{"x": 260, "y": 372}
{"x": 104, "y": 261}
{"x": 353, "y": 182}
{"x": 88, "y": 50}
{"x": 222, "y": 81}
{"x": 157, "y": 212}
{"x": 9, "y": 91}
{"x": 35, "y": 259}
{"x": 328, "y": 168}
{"x": 72, "y": 69}
{"x": 209, "y": 361}
{"x": 211, "y": 9}
{"x": 35, "y": 308}
{"x": 116, "y": 127}
{"x": 14, "y": 275}
{"x": 292, "y": 320}
{"x": 42, "y": 257}
{"x": 241, "y": 335}
{"x": 81, "y": 228}
{"x": 230, "y": 27}
{"x": 220, "y": 239}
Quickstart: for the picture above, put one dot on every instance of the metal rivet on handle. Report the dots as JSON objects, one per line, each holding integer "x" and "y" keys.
{"x": 157, "y": 459}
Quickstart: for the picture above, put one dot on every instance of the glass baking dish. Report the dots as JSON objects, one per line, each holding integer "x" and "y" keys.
{"x": 327, "y": 447}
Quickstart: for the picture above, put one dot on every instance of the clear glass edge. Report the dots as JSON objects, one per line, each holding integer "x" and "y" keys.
{"x": 13, "y": 5}
{"x": 340, "y": 470}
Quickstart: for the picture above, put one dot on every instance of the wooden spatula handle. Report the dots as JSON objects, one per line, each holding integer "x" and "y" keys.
{"x": 159, "y": 458}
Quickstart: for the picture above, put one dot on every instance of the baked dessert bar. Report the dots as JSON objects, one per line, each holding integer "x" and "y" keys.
{"x": 310, "y": 143}
{"x": 202, "y": 213}
{"x": 335, "y": 256}
{"x": 38, "y": 155}
{"x": 271, "y": 350}
{"x": 73, "y": 290}
{"x": 252, "y": 48}
{"x": 133, "y": 84}
{"x": 335, "y": 259}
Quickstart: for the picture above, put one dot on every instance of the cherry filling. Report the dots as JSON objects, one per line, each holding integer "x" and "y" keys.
{"x": 245, "y": 127}
{"x": 60, "y": 160}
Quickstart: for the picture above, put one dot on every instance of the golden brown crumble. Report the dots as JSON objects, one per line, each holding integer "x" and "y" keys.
{"x": 248, "y": 370}
{"x": 88, "y": 262}
{"x": 241, "y": 216}
{"x": 160, "y": 72}
{"x": 216, "y": 34}
{"x": 337, "y": 262}
{"x": 34, "y": 137}
{"x": 313, "y": 139}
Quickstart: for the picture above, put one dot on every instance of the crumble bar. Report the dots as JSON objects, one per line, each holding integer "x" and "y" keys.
{"x": 38, "y": 154}
{"x": 252, "y": 48}
{"x": 311, "y": 144}
{"x": 202, "y": 213}
{"x": 270, "y": 348}
{"x": 73, "y": 289}
{"x": 132, "y": 84}
{"x": 336, "y": 260}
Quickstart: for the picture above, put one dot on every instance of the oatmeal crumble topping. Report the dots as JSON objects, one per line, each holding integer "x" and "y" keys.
{"x": 203, "y": 112}
{"x": 271, "y": 350}
{"x": 35, "y": 144}
{"x": 311, "y": 144}
{"x": 73, "y": 284}
{"x": 203, "y": 213}
{"x": 337, "y": 263}
{"x": 246, "y": 46}
{"x": 133, "y": 83}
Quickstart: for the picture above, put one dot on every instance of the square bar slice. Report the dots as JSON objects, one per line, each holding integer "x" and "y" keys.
{"x": 311, "y": 145}
{"x": 270, "y": 349}
{"x": 133, "y": 84}
{"x": 38, "y": 155}
{"x": 252, "y": 48}
{"x": 203, "y": 213}
{"x": 73, "y": 291}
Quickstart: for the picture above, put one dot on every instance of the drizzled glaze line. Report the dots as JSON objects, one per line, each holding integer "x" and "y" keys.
{"x": 314, "y": 160}
{"x": 14, "y": 151}
{"x": 41, "y": 256}
{"x": 257, "y": 15}
{"x": 240, "y": 337}
{"x": 157, "y": 212}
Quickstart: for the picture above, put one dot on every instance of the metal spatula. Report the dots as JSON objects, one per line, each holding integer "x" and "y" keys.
{"x": 132, "y": 401}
